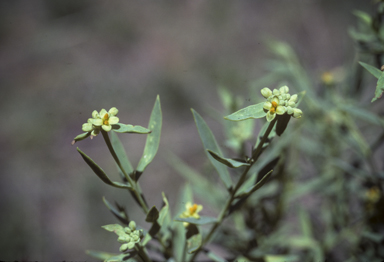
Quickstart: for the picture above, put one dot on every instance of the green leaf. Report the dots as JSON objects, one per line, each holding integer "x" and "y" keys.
{"x": 227, "y": 161}
{"x": 379, "y": 88}
{"x": 100, "y": 254}
{"x": 100, "y": 172}
{"x": 119, "y": 214}
{"x": 256, "y": 186}
{"x": 305, "y": 223}
{"x": 164, "y": 211}
{"x": 153, "y": 139}
{"x": 250, "y": 112}
{"x": 203, "y": 220}
{"x": 121, "y": 154}
{"x": 194, "y": 243}
{"x": 115, "y": 228}
{"x": 364, "y": 17}
{"x": 214, "y": 257}
{"x": 81, "y": 137}
{"x": 122, "y": 128}
{"x": 153, "y": 215}
{"x": 373, "y": 70}
{"x": 282, "y": 123}
{"x": 209, "y": 142}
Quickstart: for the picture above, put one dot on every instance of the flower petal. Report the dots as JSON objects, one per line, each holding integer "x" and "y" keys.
{"x": 275, "y": 99}
{"x": 95, "y": 114}
{"x": 106, "y": 128}
{"x": 280, "y": 110}
{"x": 103, "y": 112}
{"x": 267, "y": 105}
{"x": 270, "y": 116}
{"x": 97, "y": 122}
{"x": 87, "y": 127}
{"x": 113, "y": 120}
{"x": 113, "y": 111}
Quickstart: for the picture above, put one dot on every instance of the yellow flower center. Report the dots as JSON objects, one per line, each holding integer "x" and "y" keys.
{"x": 193, "y": 209}
{"x": 105, "y": 119}
{"x": 274, "y": 106}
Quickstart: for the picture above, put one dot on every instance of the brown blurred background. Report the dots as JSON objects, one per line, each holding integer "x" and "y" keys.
{"x": 62, "y": 59}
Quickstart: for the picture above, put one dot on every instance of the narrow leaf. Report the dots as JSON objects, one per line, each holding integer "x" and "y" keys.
{"x": 100, "y": 254}
{"x": 100, "y": 172}
{"x": 81, "y": 137}
{"x": 203, "y": 220}
{"x": 121, "y": 215}
{"x": 256, "y": 186}
{"x": 227, "y": 161}
{"x": 194, "y": 243}
{"x": 164, "y": 211}
{"x": 122, "y": 128}
{"x": 379, "y": 88}
{"x": 115, "y": 228}
{"x": 215, "y": 257}
{"x": 153, "y": 215}
{"x": 153, "y": 139}
{"x": 121, "y": 154}
{"x": 209, "y": 142}
{"x": 371, "y": 69}
{"x": 364, "y": 17}
{"x": 250, "y": 112}
{"x": 282, "y": 123}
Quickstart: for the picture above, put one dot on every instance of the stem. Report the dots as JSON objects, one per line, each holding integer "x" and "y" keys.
{"x": 141, "y": 252}
{"x": 223, "y": 212}
{"x": 136, "y": 189}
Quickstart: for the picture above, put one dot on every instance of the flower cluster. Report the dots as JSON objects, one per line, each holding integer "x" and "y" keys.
{"x": 280, "y": 102}
{"x": 131, "y": 237}
{"x": 103, "y": 120}
{"x": 191, "y": 211}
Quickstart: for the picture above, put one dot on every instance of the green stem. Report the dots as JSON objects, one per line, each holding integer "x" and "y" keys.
{"x": 136, "y": 189}
{"x": 141, "y": 252}
{"x": 227, "y": 205}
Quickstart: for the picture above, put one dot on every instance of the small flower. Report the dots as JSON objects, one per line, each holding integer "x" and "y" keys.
{"x": 191, "y": 211}
{"x": 130, "y": 237}
{"x": 297, "y": 113}
{"x": 274, "y": 108}
{"x": 284, "y": 90}
{"x": 105, "y": 119}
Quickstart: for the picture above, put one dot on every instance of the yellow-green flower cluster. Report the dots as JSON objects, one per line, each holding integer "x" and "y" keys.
{"x": 103, "y": 120}
{"x": 191, "y": 211}
{"x": 131, "y": 237}
{"x": 279, "y": 101}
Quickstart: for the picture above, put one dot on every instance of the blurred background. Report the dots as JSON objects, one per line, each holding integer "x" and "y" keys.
{"x": 60, "y": 60}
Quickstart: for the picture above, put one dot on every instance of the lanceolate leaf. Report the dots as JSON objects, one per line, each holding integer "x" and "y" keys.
{"x": 100, "y": 172}
{"x": 371, "y": 69}
{"x": 282, "y": 123}
{"x": 122, "y": 128}
{"x": 152, "y": 215}
{"x": 120, "y": 152}
{"x": 253, "y": 111}
{"x": 121, "y": 215}
{"x": 81, "y": 137}
{"x": 209, "y": 142}
{"x": 227, "y": 161}
{"x": 379, "y": 88}
{"x": 153, "y": 139}
{"x": 203, "y": 220}
{"x": 256, "y": 186}
{"x": 116, "y": 228}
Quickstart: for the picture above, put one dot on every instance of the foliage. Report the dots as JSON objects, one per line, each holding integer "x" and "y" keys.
{"x": 335, "y": 137}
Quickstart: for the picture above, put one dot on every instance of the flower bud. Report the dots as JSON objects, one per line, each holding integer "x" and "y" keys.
{"x": 121, "y": 239}
{"x": 276, "y": 92}
{"x": 131, "y": 245}
{"x": 127, "y": 230}
{"x": 266, "y": 92}
{"x": 297, "y": 113}
{"x": 132, "y": 225}
{"x": 289, "y": 110}
{"x": 284, "y": 89}
{"x": 291, "y": 104}
{"x": 124, "y": 247}
{"x": 293, "y": 98}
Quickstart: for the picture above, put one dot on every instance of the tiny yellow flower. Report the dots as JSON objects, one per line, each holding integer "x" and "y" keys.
{"x": 191, "y": 211}
{"x": 105, "y": 119}
{"x": 274, "y": 108}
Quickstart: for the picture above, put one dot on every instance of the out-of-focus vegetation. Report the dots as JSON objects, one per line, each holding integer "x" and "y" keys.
{"x": 61, "y": 59}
